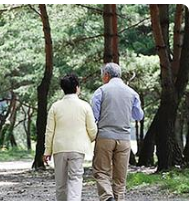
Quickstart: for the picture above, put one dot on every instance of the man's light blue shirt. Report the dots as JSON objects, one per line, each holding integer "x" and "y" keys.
{"x": 137, "y": 112}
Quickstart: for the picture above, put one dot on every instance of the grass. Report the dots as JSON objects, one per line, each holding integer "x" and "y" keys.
{"x": 175, "y": 181}
{"x": 14, "y": 154}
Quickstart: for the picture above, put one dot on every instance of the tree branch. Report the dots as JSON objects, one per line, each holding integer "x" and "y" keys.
{"x": 99, "y": 11}
{"x": 134, "y": 25}
{"x": 12, "y": 8}
{"x": 9, "y": 99}
{"x": 31, "y": 7}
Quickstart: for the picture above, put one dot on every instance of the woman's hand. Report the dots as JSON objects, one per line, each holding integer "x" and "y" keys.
{"x": 46, "y": 158}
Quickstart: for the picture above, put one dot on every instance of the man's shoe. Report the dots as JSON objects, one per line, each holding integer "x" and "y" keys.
{"x": 110, "y": 199}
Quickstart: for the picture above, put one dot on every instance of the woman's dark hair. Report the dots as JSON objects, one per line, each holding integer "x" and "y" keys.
{"x": 69, "y": 83}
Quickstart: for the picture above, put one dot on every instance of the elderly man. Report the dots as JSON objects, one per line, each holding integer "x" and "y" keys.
{"x": 114, "y": 105}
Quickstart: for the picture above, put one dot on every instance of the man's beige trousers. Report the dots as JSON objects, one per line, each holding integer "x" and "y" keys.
{"x": 110, "y": 164}
{"x": 68, "y": 175}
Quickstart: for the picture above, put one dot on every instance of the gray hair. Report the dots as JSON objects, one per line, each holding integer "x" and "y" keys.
{"x": 113, "y": 69}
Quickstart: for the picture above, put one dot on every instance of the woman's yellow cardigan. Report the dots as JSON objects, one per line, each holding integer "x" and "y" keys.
{"x": 70, "y": 126}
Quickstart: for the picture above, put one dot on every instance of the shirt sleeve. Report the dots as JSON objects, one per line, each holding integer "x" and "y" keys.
{"x": 90, "y": 124}
{"x": 96, "y": 104}
{"x": 137, "y": 112}
{"x": 50, "y": 131}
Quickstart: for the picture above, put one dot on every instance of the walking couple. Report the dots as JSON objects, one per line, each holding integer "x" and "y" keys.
{"x": 72, "y": 125}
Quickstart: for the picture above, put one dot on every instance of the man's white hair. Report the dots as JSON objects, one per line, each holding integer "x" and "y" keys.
{"x": 113, "y": 69}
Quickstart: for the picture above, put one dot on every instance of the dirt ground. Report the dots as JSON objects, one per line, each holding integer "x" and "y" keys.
{"x": 19, "y": 183}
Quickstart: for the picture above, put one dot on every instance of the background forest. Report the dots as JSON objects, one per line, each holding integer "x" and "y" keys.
{"x": 78, "y": 43}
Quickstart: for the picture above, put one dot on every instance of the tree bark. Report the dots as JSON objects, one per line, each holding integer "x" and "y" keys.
{"x": 42, "y": 91}
{"x": 115, "y": 35}
{"x": 108, "y": 33}
{"x": 132, "y": 160}
{"x": 6, "y": 129}
{"x": 3, "y": 121}
{"x": 148, "y": 145}
{"x": 164, "y": 24}
{"x": 186, "y": 150}
{"x": 28, "y": 128}
{"x": 4, "y": 117}
{"x": 12, "y": 120}
{"x": 27, "y": 125}
{"x": 183, "y": 72}
{"x": 178, "y": 38}
{"x": 137, "y": 136}
{"x": 141, "y": 133}
{"x": 111, "y": 53}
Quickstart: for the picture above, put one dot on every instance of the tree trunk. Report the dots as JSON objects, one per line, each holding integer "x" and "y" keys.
{"x": 147, "y": 148}
{"x": 168, "y": 150}
{"x": 42, "y": 92}
{"x": 12, "y": 120}
{"x": 29, "y": 114}
{"x": 110, "y": 34}
{"x": 27, "y": 125}
{"x": 132, "y": 160}
{"x": 186, "y": 150}
{"x": 164, "y": 24}
{"x": 137, "y": 137}
{"x": 179, "y": 127}
{"x": 3, "y": 127}
{"x": 141, "y": 133}
{"x": 4, "y": 117}
{"x": 6, "y": 134}
{"x": 115, "y": 35}
{"x": 183, "y": 72}
{"x": 178, "y": 39}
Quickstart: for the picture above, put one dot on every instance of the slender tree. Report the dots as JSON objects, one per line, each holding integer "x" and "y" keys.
{"x": 27, "y": 124}
{"x": 42, "y": 90}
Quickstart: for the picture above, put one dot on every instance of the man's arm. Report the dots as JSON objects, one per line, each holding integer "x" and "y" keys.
{"x": 96, "y": 104}
{"x": 137, "y": 112}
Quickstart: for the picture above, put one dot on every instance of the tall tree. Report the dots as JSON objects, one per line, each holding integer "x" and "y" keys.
{"x": 174, "y": 78}
{"x": 110, "y": 34}
{"x": 42, "y": 90}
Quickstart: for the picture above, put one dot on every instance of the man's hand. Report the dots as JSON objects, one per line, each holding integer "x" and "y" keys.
{"x": 46, "y": 158}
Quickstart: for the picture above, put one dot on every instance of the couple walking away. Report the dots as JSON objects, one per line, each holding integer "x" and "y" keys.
{"x": 72, "y": 125}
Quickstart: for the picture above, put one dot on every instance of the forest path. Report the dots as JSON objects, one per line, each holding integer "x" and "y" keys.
{"x": 19, "y": 183}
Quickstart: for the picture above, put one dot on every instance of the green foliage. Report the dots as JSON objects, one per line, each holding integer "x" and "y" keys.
{"x": 135, "y": 29}
{"x": 78, "y": 43}
{"x": 15, "y": 154}
{"x": 146, "y": 81}
{"x": 174, "y": 181}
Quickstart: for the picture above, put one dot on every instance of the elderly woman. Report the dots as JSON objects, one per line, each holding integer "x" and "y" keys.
{"x": 114, "y": 105}
{"x": 70, "y": 130}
